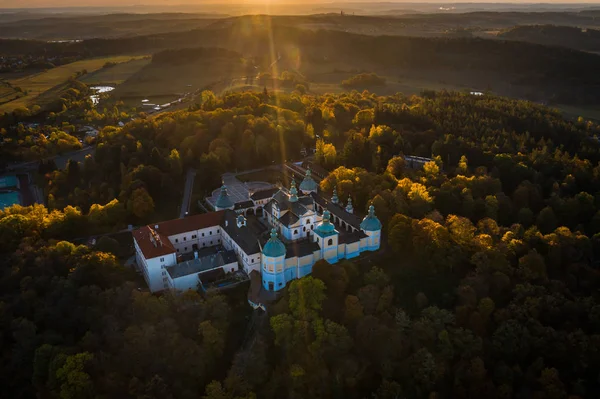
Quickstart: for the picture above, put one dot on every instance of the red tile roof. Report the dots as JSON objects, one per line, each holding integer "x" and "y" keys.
{"x": 190, "y": 223}
{"x": 152, "y": 247}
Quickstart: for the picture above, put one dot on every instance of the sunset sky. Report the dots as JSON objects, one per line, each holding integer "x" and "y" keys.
{"x": 111, "y": 3}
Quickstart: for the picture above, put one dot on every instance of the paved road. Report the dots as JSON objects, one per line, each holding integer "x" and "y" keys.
{"x": 187, "y": 192}
{"x": 60, "y": 160}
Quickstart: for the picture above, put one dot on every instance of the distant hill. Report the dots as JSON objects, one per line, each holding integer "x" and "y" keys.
{"x": 566, "y": 36}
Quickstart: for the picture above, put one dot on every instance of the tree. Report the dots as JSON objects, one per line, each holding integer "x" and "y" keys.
{"x": 396, "y": 166}
{"x": 141, "y": 203}
{"x": 546, "y": 220}
{"x": 75, "y": 382}
{"x": 306, "y": 297}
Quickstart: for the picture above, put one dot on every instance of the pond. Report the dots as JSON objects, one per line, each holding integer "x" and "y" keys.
{"x": 99, "y": 90}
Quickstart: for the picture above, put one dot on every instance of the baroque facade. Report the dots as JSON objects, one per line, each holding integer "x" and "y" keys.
{"x": 296, "y": 228}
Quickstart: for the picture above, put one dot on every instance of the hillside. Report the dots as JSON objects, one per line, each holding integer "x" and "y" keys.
{"x": 551, "y": 35}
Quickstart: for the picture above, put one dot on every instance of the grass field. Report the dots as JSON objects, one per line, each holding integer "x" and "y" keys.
{"x": 117, "y": 74}
{"x": 154, "y": 81}
{"x": 39, "y": 83}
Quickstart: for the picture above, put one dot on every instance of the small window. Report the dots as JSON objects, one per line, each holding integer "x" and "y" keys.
{"x": 295, "y": 231}
{"x": 219, "y": 240}
{"x": 218, "y": 231}
{"x": 203, "y": 244}
{"x": 307, "y": 221}
{"x": 330, "y": 242}
{"x": 280, "y": 284}
{"x": 211, "y": 243}
{"x": 185, "y": 249}
{"x": 210, "y": 232}
{"x": 202, "y": 234}
{"x": 194, "y": 236}
{"x": 177, "y": 240}
{"x": 184, "y": 238}
{"x": 162, "y": 259}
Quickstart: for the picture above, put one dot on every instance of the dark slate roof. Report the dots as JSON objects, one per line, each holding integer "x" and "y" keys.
{"x": 301, "y": 248}
{"x": 351, "y": 237}
{"x": 247, "y": 237}
{"x": 243, "y": 205}
{"x": 306, "y": 200}
{"x": 337, "y": 210}
{"x": 288, "y": 219}
{"x": 201, "y": 264}
{"x": 298, "y": 208}
{"x": 263, "y": 194}
{"x": 268, "y": 207}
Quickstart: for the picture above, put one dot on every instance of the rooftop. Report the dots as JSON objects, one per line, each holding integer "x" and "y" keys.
{"x": 301, "y": 248}
{"x": 202, "y": 264}
{"x": 149, "y": 245}
{"x": 337, "y": 210}
{"x": 247, "y": 237}
{"x": 190, "y": 223}
{"x": 264, "y": 194}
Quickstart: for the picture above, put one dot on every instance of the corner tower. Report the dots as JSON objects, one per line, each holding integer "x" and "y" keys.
{"x": 371, "y": 226}
{"x": 223, "y": 201}
{"x": 273, "y": 264}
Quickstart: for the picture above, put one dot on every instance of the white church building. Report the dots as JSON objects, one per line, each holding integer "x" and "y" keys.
{"x": 297, "y": 228}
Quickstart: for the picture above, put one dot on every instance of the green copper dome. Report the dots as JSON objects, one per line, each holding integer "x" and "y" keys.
{"x": 274, "y": 248}
{"x": 325, "y": 228}
{"x": 308, "y": 184}
{"x": 370, "y": 222}
{"x": 293, "y": 192}
{"x": 223, "y": 202}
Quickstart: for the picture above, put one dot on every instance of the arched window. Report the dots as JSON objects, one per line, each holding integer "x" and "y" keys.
{"x": 330, "y": 242}
{"x": 295, "y": 231}
{"x": 307, "y": 221}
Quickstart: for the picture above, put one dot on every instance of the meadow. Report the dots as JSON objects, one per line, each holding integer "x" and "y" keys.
{"x": 39, "y": 83}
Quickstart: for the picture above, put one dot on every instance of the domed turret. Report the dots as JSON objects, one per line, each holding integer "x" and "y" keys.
{"x": 335, "y": 198}
{"x": 308, "y": 185}
{"x": 325, "y": 228}
{"x": 371, "y": 222}
{"x": 293, "y": 192}
{"x": 274, "y": 248}
{"x": 349, "y": 207}
{"x": 223, "y": 201}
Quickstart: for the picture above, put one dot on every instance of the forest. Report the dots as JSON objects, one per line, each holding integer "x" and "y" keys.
{"x": 486, "y": 285}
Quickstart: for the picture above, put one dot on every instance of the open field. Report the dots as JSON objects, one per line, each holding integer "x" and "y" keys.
{"x": 37, "y": 84}
{"x": 162, "y": 81}
{"x": 117, "y": 74}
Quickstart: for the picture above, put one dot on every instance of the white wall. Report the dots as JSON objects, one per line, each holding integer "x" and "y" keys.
{"x": 190, "y": 282}
{"x": 208, "y": 237}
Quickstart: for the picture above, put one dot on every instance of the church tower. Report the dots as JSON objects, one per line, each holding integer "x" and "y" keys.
{"x": 308, "y": 185}
{"x": 223, "y": 201}
{"x": 327, "y": 237}
{"x": 371, "y": 226}
{"x": 273, "y": 263}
